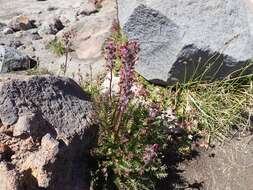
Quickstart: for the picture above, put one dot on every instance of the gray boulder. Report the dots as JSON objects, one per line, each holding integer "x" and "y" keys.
{"x": 60, "y": 101}
{"x": 13, "y": 60}
{"x": 46, "y": 130}
{"x": 189, "y": 39}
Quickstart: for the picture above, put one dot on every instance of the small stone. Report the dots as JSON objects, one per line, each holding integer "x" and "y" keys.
{"x": 2, "y": 25}
{"x": 36, "y": 37}
{"x": 87, "y": 9}
{"x": 19, "y": 34}
{"x": 52, "y": 8}
{"x": 15, "y": 44}
{"x": 53, "y": 26}
{"x": 5, "y": 152}
{"x": 13, "y": 60}
{"x": 21, "y": 23}
{"x": 8, "y": 31}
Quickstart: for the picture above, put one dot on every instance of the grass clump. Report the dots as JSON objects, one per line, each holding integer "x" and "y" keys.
{"x": 56, "y": 46}
{"x": 214, "y": 108}
{"x": 208, "y": 109}
{"x": 38, "y": 71}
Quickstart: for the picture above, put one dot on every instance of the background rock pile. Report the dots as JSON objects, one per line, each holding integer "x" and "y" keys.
{"x": 29, "y": 26}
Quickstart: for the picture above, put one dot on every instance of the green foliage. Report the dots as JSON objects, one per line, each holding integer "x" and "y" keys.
{"x": 215, "y": 107}
{"x": 56, "y": 46}
{"x": 38, "y": 71}
{"x": 159, "y": 94}
{"x": 120, "y": 154}
{"x": 130, "y": 143}
{"x": 208, "y": 108}
{"x": 120, "y": 38}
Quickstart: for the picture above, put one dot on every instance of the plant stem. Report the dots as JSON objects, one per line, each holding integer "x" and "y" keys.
{"x": 66, "y": 60}
{"x": 110, "y": 86}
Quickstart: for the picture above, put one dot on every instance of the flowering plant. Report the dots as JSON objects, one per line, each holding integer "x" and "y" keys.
{"x": 131, "y": 139}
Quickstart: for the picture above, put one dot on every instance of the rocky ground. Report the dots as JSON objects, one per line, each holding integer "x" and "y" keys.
{"x": 39, "y": 147}
{"x": 46, "y": 126}
{"x": 29, "y": 26}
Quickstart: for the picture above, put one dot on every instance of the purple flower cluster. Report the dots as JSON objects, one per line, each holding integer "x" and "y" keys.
{"x": 150, "y": 153}
{"x": 128, "y": 56}
{"x": 127, "y": 53}
{"x": 110, "y": 52}
{"x": 110, "y": 56}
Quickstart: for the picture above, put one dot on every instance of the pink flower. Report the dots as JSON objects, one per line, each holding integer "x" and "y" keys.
{"x": 110, "y": 53}
{"x": 150, "y": 153}
{"x": 154, "y": 109}
{"x": 128, "y": 56}
{"x": 139, "y": 90}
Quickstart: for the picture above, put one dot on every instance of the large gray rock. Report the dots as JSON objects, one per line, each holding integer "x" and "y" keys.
{"x": 13, "y": 60}
{"x": 185, "y": 39}
{"x": 46, "y": 129}
{"x": 60, "y": 101}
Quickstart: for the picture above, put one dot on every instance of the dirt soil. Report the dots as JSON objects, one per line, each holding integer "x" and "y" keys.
{"x": 227, "y": 166}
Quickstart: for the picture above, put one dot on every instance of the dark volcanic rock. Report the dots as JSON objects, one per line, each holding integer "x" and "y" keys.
{"x": 47, "y": 126}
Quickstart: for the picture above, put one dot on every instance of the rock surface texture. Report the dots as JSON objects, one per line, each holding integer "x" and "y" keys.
{"x": 185, "y": 39}
{"x": 13, "y": 60}
{"x": 46, "y": 127}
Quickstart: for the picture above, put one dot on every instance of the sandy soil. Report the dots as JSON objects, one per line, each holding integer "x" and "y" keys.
{"x": 227, "y": 166}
